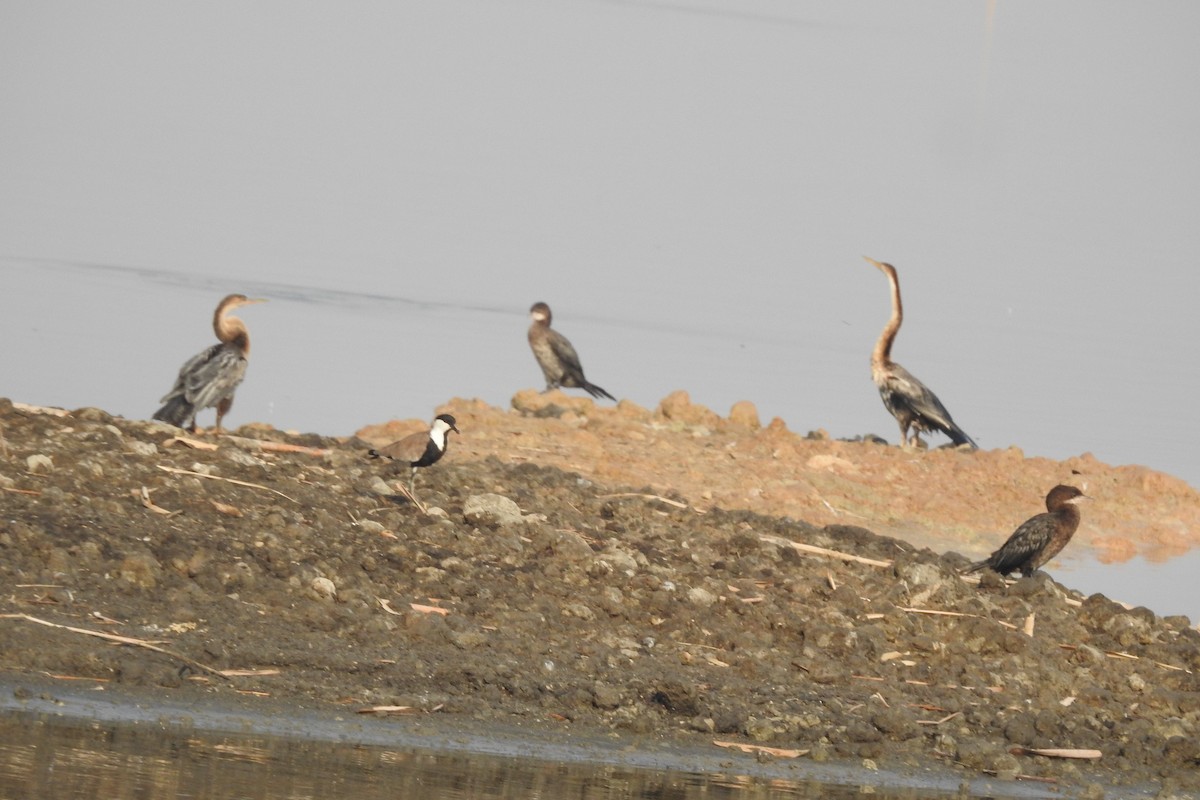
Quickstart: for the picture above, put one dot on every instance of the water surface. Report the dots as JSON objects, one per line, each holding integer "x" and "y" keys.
{"x": 82, "y": 743}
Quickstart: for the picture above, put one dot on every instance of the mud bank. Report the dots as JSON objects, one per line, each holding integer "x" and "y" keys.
{"x": 555, "y": 597}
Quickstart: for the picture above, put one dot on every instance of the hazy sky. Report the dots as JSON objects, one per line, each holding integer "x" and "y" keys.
{"x": 656, "y": 171}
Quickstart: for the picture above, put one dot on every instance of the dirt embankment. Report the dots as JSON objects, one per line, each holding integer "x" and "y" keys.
{"x": 608, "y": 568}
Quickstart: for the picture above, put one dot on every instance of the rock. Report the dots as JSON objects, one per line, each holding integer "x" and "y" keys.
{"x": 91, "y": 414}
{"x": 676, "y": 697}
{"x": 552, "y": 404}
{"x": 570, "y": 546}
{"x": 579, "y": 611}
{"x": 745, "y": 414}
{"x": 141, "y": 570}
{"x": 323, "y": 588}
{"x": 678, "y": 407}
{"x": 39, "y": 464}
{"x": 140, "y": 448}
{"x": 896, "y": 723}
{"x": 698, "y": 596}
{"x": 605, "y": 695}
{"x": 491, "y": 511}
{"x": 621, "y": 560}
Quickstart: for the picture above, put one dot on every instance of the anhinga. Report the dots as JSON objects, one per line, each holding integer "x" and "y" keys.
{"x": 909, "y": 401}
{"x": 210, "y": 377}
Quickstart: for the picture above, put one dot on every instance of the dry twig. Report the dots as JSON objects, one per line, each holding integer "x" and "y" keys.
{"x": 1055, "y": 752}
{"x": 822, "y": 551}
{"x": 758, "y": 748}
{"x": 178, "y": 471}
{"x": 112, "y": 637}
{"x": 278, "y": 447}
{"x": 144, "y": 496}
{"x": 657, "y": 497}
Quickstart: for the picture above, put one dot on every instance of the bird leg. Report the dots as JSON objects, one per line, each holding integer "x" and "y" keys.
{"x": 222, "y": 409}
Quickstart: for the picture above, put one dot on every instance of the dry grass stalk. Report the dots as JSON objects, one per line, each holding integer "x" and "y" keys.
{"x": 1022, "y": 777}
{"x": 659, "y": 498}
{"x": 278, "y": 447}
{"x": 1131, "y": 657}
{"x": 778, "y": 752}
{"x": 1028, "y": 629}
{"x": 821, "y": 551}
{"x": 144, "y": 496}
{"x": 423, "y": 609}
{"x": 112, "y": 637}
{"x": 939, "y": 613}
{"x": 400, "y": 487}
{"x": 195, "y": 444}
{"x": 178, "y": 471}
{"x": 1055, "y": 752}
{"x": 226, "y": 509}
{"x": 386, "y": 606}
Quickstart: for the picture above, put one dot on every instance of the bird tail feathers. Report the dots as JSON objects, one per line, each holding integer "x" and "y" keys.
{"x": 958, "y": 437}
{"x": 976, "y": 567}
{"x": 596, "y": 391}
{"x": 176, "y": 411}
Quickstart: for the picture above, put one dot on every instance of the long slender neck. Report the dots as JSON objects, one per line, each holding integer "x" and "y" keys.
{"x": 882, "y": 355}
{"x": 231, "y": 330}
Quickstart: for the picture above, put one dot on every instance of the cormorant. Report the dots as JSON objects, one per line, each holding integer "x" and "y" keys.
{"x": 210, "y": 377}
{"x": 1039, "y": 538}
{"x": 556, "y": 356}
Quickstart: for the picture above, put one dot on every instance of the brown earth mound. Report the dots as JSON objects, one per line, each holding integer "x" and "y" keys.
{"x": 670, "y": 573}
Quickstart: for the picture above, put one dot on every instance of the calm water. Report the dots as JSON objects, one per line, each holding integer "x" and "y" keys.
{"x": 76, "y": 746}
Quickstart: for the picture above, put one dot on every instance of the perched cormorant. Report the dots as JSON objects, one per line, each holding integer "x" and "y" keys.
{"x": 556, "y": 356}
{"x": 210, "y": 377}
{"x": 909, "y": 401}
{"x": 1039, "y": 538}
{"x": 419, "y": 449}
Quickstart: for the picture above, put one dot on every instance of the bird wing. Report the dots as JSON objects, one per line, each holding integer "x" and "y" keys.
{"x": 566, "y": 354}
{"x": 907, "y": 389}
{"x": 212, "y": 375}
{"x": 409, "y": 449}
{"x": 1025, "y": 542}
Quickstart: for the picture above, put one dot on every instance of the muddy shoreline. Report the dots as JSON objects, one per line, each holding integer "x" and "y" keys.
{"x": 536, "y": 595}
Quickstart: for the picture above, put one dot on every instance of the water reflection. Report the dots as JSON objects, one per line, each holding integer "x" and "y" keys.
{"x": 50, "y": 757}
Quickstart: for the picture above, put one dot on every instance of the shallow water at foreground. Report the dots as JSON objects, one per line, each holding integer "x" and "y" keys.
{"x": 85, "y": 760}
{"x": 88, "y": 744}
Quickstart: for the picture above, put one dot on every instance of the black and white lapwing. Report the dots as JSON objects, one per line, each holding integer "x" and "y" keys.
{"x": 419, "y": 449}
